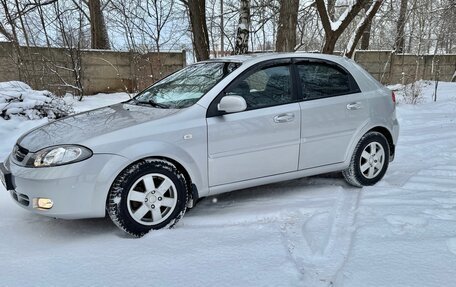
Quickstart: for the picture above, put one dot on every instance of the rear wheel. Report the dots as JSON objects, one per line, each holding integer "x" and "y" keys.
{"x": 369, "y": 161}
{"x": 150, "y": 194}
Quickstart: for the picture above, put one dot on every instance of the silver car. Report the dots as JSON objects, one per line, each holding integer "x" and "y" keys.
{"x": 212, "y": 127}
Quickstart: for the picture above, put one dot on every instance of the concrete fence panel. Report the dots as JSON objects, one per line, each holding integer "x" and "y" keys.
{"x": 56, "y": 69}
{"x": 390, "y": 68}
{"x": 110, "y": 71}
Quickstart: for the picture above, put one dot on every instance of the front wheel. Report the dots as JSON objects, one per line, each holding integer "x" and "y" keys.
{"x": 369, "y": 161}
{"x": 150, "y": 194}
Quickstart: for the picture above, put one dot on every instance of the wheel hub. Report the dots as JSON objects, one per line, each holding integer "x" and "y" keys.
{"x": 372, "y": 161}
{"x": 150, "y": 198}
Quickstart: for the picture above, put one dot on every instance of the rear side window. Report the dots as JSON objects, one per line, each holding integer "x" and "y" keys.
{"x": 321, "y": 80}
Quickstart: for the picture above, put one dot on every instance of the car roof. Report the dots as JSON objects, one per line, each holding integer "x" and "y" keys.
{"x": 260, "y": 57}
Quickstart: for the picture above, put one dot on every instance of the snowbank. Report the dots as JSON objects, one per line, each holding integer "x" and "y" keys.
{"x": 423, "y": 91}
{"x": 17, "y": 99}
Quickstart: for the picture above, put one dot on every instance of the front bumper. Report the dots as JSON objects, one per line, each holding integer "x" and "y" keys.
{"x": 78, "y": 190}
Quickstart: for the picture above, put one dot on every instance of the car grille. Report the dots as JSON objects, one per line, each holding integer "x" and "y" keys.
{"x": 21, "y": 198}
{"x": 20, "y": 153}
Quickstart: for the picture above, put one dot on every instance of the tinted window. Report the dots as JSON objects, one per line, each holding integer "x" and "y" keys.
{"x": 264, "y": 88}
{"x": 320, "y": 80}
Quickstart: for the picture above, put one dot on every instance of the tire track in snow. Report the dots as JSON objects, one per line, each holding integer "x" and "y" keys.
{"x": 319, "y": 265}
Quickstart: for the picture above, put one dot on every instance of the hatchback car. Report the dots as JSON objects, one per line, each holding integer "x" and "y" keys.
{"x": 212, "y": 127}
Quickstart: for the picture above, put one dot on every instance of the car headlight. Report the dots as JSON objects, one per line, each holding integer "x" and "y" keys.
{"x": 59, "y": 155}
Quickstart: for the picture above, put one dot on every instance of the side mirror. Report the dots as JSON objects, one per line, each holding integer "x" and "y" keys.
{"x": 232, "y": 104}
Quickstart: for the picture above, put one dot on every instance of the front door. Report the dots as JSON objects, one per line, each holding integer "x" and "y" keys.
{"x": 264, "y": 139}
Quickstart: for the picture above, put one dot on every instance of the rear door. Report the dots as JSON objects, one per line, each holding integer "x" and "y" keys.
{"x": 264, "y": 139}
{"x": 333, "y": 109}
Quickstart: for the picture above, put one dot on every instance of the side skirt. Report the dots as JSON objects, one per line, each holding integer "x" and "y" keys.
{"x": 276, "y": 178}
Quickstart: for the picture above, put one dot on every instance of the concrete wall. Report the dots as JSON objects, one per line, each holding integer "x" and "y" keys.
{"x": 101, "y": 71}
{"x": 391, "y": 68}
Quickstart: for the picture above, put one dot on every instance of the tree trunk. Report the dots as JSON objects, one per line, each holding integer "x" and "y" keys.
{"x": 197, "y": 11}
{"x": 99, "y": 33}
{"x": 222, "y": 31}
{"x": 330, "y": 43}
{"x": 361, "y": 27}
{"x": 365, "y": 39}
{"x": 288, "y": 19}
{"x": 400, "y": 36}
{"x": 243, "y": 31}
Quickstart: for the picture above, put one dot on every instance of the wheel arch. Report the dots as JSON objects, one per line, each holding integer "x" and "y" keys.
{"x": 192, "y": 189}
{"x": 389, "y": 137}
{"x": 362, "y": 132}
{"x": 191, "y": 186}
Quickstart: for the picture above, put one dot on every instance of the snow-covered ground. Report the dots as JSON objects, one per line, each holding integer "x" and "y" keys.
{"x": 314, "y": 231}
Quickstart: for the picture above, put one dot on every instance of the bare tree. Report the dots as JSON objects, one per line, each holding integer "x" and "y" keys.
{"x": 288, "y": 19}
{"x": 100, "y": 39}
{"x": 5, "y": 33}
{"x": 399, "y": 42}
{"x": 367, "y": 32}
{"x": 121, "y": 16}
{"x": 332, "y": 9}
{"x": 362, "y": 25}
{"x": 222, "y": 28}
{"x": 200, "y": 36}
{"x": 243, "y": 31}
{"x": 72, "y": 41}
{"x": 333, "y": 30}
{"x": 12, "y": 36}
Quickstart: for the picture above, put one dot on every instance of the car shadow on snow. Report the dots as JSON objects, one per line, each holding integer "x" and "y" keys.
{"x": 281, "y": 189}
{"x": 266, "y": 201}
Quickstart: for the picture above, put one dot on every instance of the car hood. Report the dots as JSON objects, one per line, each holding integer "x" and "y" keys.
{"x": 80, "y": 127}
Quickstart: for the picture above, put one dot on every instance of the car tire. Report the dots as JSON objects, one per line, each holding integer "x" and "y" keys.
{"x": 149, "y": 194}
{"x": 369, "y": 162}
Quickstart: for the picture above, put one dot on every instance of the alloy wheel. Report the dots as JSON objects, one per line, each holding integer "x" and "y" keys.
{"x": 152, "y": 199}
{"x": 372, "y": 160}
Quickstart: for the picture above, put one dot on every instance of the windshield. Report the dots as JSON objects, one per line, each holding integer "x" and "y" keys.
{"x": 185, "y": 87}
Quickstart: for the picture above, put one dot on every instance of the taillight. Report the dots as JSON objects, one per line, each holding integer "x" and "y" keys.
{"x": 393, "y": 97}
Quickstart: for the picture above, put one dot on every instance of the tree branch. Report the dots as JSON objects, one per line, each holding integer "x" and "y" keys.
{"x": 325, "y": 21}
{"x": 6, "y": 33}
{"x": 354, "y": 39}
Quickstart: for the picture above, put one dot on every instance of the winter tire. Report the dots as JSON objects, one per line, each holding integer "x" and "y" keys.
{"x": 369, "y": 161}
{"x": 149, "y": 194}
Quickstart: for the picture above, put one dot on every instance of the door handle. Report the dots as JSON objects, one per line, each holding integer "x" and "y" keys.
{"x": 354, "y": 106}
{"x": 284, "y": 118}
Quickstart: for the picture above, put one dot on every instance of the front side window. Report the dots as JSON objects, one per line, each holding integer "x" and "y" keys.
{"x": 264, "y": 88}
{"x": 185, "y": 87}
{"x": 319, "y": 80}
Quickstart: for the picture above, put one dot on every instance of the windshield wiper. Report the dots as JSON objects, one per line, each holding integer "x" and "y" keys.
{"x": 157, "y": 105}
{"x": 152, "y": 103}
